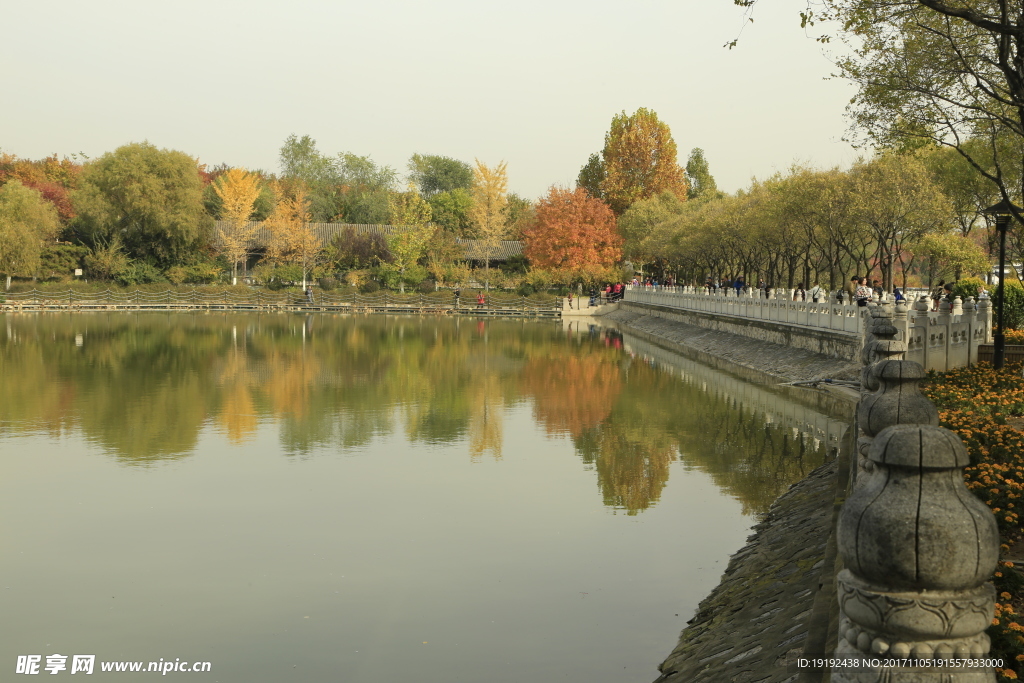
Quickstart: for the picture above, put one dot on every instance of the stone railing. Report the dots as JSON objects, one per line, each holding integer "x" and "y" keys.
{"x": 918, "y": 549}
{"x": 939, "y": 340}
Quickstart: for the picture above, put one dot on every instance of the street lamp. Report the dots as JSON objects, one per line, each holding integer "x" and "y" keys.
{"x": 1002, "y": 211}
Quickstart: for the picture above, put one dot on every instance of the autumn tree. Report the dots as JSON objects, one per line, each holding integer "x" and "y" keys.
{"x": 238, "y": 191}
{"x": 490, "y": 190}
{"x": 52, "y": 177}
{"x": 26, "y": 222}
{"x": 151, "y": 199}
{"x": 573, "y": 231}
{"x": 292, "y": 239}
{"x": 640, "y": 160}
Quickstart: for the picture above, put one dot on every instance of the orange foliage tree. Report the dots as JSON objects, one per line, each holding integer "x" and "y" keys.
{"x": 573, "y": 231}
{"x": 640, "y": 160}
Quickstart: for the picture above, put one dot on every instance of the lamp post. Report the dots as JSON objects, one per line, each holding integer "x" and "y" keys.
{"x": 1002, "y": 211}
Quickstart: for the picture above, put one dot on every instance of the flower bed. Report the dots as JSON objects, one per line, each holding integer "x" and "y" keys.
{"x": 986, "y": 408}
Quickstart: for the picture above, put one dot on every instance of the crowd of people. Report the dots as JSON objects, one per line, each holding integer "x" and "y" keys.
{"x": 860, "y": 290}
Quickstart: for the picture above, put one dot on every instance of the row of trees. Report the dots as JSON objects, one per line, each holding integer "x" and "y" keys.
{"x": 142, "y": 214}
{"x": 906, "y": 218}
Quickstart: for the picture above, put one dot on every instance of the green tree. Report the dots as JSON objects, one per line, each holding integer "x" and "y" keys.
{"x": 27, "y": 221}
{"x": 302, "y": 161}
{"x": 450, "y": 210}
{"x": 701, "y": 183}
{"x": 644, "y": 219}
{"x": 365, "y": 189}
{"x": 436, "y": 174}
{"x": 640, "y": 160}
{"x": 899, "y": 204}
{"x": 150, "y": 199}
{"x": 952, "y": 254}
{"x": 519, "y": 215}
{"x": 947, "y": 72}
{"x": 347, "y": 187}
{"x": 407, "y": 247}
{"x": 592, "y": 177}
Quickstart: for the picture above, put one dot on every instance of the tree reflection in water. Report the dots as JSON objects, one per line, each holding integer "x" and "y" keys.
{"x": 143, "y": 387}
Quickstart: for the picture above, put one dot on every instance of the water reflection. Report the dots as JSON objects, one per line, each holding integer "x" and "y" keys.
{"x": 144, "y": 387}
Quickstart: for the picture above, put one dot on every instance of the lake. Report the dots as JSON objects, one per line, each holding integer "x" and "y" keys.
{"x": 374, "y": 498}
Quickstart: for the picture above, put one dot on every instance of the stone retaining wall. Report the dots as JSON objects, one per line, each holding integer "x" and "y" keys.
{"x": 776, "y": 601}
{"x": 832, "y": 343}
{"x": 791, "y": 363}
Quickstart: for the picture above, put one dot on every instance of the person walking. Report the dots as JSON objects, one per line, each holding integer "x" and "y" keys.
{"x": 862, "y": 295}
{"x": 937, "y": 294}
{"x": 816, "y": 293}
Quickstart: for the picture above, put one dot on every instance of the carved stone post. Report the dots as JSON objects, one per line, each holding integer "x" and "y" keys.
{"x": 918, "y": 550}
{"x": 918, "y": 547}
{"x": 985, "y": 316}
{"x": 901, "y": 321}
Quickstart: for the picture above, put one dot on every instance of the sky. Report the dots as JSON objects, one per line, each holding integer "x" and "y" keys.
{"x": 534, "y": 83}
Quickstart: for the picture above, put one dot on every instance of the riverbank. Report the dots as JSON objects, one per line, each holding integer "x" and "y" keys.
{"x": 776, "y": 600}
{"x": 784, "y": 362}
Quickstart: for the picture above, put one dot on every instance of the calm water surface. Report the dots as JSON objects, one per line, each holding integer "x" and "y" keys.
{"x": 374, "y": 498}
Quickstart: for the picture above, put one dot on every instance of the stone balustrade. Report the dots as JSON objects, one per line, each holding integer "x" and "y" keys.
{"x": 918, "y": 548}
{"x": 937, "y": 340}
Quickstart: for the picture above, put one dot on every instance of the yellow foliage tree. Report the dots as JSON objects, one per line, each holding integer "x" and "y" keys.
{"x": 490, "y": 195}
{"x": 292, "y": 239}
{"x": 238, "y": 191}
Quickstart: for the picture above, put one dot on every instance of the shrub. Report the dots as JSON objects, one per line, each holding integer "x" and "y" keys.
{"x": 426, "y": 287}
{"x": 139, "y": 273}
{"x": 328, "y": 284}
{"x": 369, "y": 287}
{"x": 969, "y": 286}
{"x": 525, "y": 289}
{"x": 1013, "y": 313}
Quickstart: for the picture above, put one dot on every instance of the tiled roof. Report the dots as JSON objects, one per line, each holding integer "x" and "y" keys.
{"x": 474, "y": 250}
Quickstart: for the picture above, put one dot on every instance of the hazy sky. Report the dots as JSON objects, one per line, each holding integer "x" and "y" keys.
{"x": 531, "y": 82}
